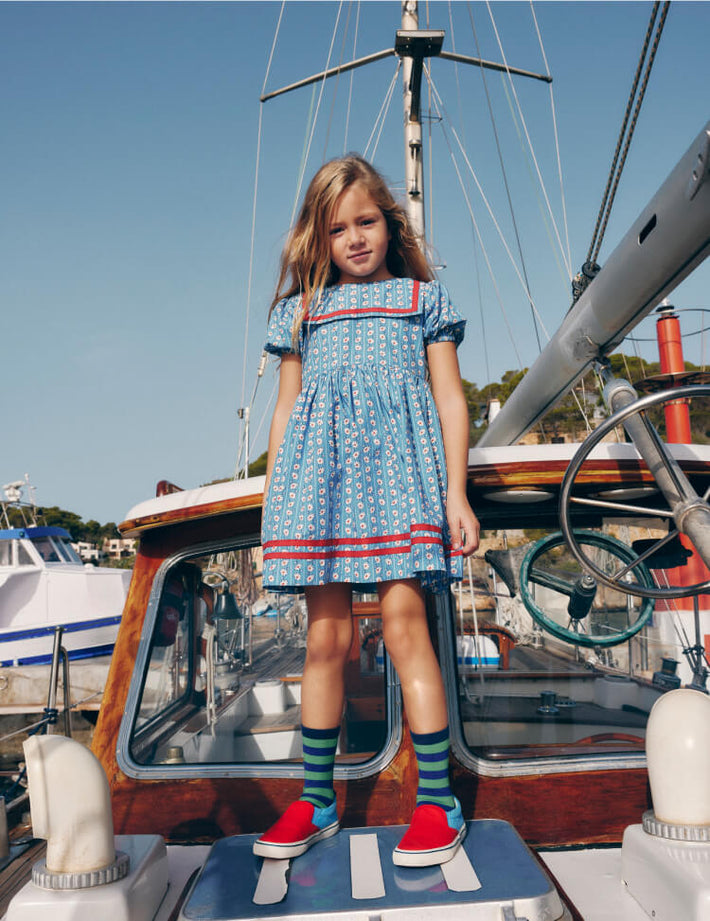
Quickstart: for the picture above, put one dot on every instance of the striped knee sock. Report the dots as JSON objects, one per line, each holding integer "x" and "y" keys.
{"x": 318, "y": 759}
{"x": 432, "y": 751}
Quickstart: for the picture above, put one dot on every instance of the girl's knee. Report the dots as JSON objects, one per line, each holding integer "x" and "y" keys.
{"x": 329, "y": 640}
{"x": 402, "y": 638}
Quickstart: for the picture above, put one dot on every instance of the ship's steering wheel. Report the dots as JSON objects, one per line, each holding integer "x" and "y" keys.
{"x": 548, "y": 564}
{"x": 618, "y": 580}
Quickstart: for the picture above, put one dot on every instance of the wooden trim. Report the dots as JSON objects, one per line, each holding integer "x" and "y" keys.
{"x": 192, "y": 513}
{"x": 550, "y": 809}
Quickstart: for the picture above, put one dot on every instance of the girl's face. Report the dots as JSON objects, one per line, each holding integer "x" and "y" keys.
{"x": 359, "y": 237}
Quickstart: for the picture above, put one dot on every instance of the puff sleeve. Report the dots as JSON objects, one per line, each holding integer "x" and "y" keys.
{"x": 442, "y": 321}
{"x": 279, "y": 333}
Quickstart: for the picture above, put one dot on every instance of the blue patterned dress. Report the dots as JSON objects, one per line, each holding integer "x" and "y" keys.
{"x": 358, "y": 487}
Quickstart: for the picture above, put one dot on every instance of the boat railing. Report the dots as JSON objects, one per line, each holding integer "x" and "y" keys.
{"x": 9, "y": 802}
{"x": 51, "y": 712}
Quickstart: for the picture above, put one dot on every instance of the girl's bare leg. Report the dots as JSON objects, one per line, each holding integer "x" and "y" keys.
{"x": 330, "y": 633}
{"x": 406, "y": 637}
{"x": 438, "y": 827}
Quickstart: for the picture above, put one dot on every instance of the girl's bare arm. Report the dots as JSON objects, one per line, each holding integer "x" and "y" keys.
{"x": 450, "y": 400}
{"x": 289, "y": 388}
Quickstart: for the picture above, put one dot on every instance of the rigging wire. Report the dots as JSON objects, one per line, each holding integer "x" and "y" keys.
{"x": 505, "y": 181}
{"x": 480, "y": 308}
{"x": 511, "y": 83}
{"x": 444, "y": 116}
{"x": 250, "y": 273}
{"x": 474, "y": 241}
{"x": 559, "y": 257}
{"x": 381, "y": 116}
{"x": 614, "y": 172}
{"x": 337, "y": 79}
{"x": 302, "y": 172}
{"x": 456, "y": 73}
{"x": 553, "y": 110}
{"x": 477, "y": 230}
{"x": 352, "y": 79}
{"x": 697, "y": 332}
{"x": 266, "y": 415}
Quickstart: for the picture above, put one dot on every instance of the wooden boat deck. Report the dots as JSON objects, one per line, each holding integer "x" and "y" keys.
{"x": 269, "y": 661}
{"x": 18, "y": 870}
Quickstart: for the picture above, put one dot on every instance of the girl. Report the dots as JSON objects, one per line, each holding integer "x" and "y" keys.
{"x": 356, "y": 489}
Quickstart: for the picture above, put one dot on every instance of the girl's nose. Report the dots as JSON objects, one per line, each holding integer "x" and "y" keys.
{"x": 356, "y": 235}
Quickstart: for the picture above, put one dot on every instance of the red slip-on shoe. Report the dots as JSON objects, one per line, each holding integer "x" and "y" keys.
{"x": 433, "y": 837}
{"x": 298, "y": 828}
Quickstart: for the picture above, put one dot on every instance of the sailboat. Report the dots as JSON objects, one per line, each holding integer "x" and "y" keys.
{"x": 560, "y": 667}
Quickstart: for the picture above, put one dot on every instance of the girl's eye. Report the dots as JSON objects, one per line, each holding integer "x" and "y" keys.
{"x": 334, "y": 230}
{"x": 368, "y": 220}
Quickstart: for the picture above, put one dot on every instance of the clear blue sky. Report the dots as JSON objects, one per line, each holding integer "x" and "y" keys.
{"x": 128, "y": 153}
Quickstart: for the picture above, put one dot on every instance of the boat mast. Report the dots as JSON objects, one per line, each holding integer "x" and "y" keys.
{"x": 413, "y": 156}
{"x": 412, "y": 45}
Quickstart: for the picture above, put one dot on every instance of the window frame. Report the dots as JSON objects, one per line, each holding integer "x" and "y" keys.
{"x": 134, "y": 769}
{"x": 518, "y": 767}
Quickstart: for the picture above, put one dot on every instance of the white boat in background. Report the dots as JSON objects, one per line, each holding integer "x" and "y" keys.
{"x": 44, "y": 585}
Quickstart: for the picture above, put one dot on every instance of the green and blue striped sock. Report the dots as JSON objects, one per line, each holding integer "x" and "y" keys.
{"x": 432, "y": 751}
{"x": 319, "y": 747}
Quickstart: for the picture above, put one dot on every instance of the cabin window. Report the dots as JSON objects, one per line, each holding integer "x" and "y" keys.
{"x": 46, "y": 549}
{"x": 67, "y": 552}
{"x": 527, "y": 696}
{"x": 13, "y": 553}
{"x": 23, "y": 555}
{"x": 219, "y": 683}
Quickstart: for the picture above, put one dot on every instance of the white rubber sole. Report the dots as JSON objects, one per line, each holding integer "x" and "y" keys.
{"x": 430, "y": 858}
{"x": 294, "y": 848}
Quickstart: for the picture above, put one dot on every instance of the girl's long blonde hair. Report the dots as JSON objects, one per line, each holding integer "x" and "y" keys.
{"x": 306, "y": 267}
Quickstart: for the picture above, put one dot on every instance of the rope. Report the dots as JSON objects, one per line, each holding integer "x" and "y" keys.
{"x": 209, "y": 635}
{"x": 29, "y": 730}
{"x": 614, "y": 173}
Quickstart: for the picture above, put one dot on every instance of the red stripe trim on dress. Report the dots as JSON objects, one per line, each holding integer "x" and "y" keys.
{"x": 312, "y": 547}
{"x": 329, "y": 551}
{"x": 348, "y": 554}
{"x": 336, "y": 554}
{"x": 374, "y": 310}
{"x": 323, "y": 542}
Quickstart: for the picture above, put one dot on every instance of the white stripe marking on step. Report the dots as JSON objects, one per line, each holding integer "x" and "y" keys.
{"x": 459, "y": 873}
{"x": 272, "y": 885}
{"x": 365, "y": 868}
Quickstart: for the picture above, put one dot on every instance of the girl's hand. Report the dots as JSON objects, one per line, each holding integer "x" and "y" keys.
{"x": 463, "y": 525}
